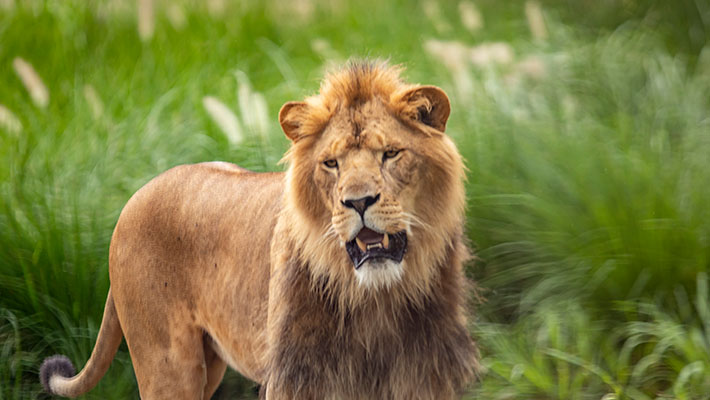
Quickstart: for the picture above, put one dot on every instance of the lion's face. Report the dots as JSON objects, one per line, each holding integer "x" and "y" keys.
{"x": 371, "y": 175}
{"x": 367, "y": 173}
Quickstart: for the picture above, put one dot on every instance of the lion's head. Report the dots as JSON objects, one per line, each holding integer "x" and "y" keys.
{"x": 376, "y": 185}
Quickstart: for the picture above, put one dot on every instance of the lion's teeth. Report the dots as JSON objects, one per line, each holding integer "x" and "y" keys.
{"x": 386, "y": 241}
{"x": 360, "y": 244}
{"x": 374, "y": 246}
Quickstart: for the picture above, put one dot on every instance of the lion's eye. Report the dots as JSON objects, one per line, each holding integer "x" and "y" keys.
{"x": 331, "y": 163}
{"x": 389, "y": 154}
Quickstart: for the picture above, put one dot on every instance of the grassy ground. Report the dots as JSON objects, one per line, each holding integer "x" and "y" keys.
{"x": 585, "y": 125}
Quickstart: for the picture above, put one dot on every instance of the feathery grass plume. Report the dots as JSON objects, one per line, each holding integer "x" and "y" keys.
{"x": 489, "y": 54}
{"x": 176, "y": 16}
{"x": 114, "y": 9}
{"x": 532, "y": 67}
{"x": 216, "y": 8}
{"x": 335, "y": 7}
{"x": 536, "y": 22}
{"x": 471, "y": 18}
{"x": 303, "y": 9}
{"x": 32, "y": 82}
{"x": 252, "y": 106}
{"x": 324, "y": 49}
{"x": 94, "y": 100}
{"x": 224, "y": 118}
{"x": 433, "y": 12}
{"x": 7, "y": 5}
{"x": 146, "y": 19}
{"x": 9, "y": 121}
{"x": 295, "y": 12}
{"x": 454, "y": 55}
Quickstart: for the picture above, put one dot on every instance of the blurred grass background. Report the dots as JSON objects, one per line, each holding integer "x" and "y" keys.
{"x": 585, "y": 126}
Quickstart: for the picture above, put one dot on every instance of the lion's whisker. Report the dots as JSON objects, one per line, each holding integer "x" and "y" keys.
{"x": 415, "y": 221}
{"x": 330, "y": 233}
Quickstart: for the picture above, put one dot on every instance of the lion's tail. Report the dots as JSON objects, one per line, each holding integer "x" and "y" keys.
{"x": 57, "y": 372}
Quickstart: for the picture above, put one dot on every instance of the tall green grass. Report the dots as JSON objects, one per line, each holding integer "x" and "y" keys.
{"x": 589, "y": 181}
{"x": 587, "y": 155}
{"x": 559, "y": 352}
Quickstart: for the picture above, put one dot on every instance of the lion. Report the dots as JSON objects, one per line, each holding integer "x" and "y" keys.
{"x": 341, "y": 277}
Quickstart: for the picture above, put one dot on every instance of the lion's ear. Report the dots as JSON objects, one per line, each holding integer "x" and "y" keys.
{"x": 428, "y": 105}
{"x": 291, "y": 118}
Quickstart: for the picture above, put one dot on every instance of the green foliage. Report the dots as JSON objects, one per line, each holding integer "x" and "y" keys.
{"x": 587, "y": 183}
{"x": 587, "y": 149}
{"x": 559, "y": 352}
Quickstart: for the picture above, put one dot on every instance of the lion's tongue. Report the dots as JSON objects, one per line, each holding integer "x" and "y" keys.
{"x": 368, "y": 236}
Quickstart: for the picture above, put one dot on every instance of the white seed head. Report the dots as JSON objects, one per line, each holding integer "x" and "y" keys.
{"x": 32, "y": 82}
{"x": 224, "y": 118}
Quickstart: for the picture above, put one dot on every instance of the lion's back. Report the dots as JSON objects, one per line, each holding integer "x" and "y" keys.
{"x": 193, "y": 210}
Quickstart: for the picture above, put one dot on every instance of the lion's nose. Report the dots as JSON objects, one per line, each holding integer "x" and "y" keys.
{"x": 361, "y": 204}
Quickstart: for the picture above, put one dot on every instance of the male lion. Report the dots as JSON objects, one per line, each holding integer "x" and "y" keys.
{"x": 340, "y": 278}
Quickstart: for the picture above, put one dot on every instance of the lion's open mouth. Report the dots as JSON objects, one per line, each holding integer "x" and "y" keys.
{"x": 369, "y": 245}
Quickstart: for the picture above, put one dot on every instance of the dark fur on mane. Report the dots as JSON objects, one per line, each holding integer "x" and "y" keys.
{"x": 380, "y": 346}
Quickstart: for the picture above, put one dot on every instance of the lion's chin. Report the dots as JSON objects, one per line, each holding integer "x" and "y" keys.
{"x": 379, "y": 273}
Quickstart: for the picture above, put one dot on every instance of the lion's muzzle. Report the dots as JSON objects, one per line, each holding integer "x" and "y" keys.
{"x": 370, "y": 245}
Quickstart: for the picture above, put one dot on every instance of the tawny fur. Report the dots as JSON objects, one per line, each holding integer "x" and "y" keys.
{"x": 212, "y": 265}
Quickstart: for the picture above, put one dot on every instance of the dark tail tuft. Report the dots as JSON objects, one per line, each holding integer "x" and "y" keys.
{"x": 55, "y": 365}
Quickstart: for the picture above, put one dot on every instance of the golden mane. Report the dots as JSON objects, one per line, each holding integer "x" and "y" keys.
{"x": 355, "y": 84}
